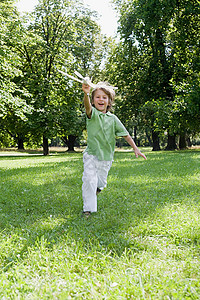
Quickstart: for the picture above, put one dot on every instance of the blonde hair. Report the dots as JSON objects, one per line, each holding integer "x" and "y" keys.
{"x": 108, "y": 90}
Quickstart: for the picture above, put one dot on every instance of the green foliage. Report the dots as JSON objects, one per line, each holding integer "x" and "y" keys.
{"x": 9, "y": 60}
{"x": 13, "y": 107}
{"x": 155, "y": 66}
{"x": 166, "y": 34}
{"x": 123, "y": 69}
{"x": 60, "y": 33}
{"x": 142, "y": 243}
{"x": 35, "y": 99}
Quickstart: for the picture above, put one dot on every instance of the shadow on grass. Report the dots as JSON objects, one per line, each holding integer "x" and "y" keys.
{"x": 42, "y": 200}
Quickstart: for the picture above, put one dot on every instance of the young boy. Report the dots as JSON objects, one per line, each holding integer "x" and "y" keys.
{"x": 102, "y": 128}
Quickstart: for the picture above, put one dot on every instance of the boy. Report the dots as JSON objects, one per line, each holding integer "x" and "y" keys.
{"x": 102, "y": 128}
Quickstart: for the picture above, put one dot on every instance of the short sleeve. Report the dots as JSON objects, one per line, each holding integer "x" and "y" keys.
{"x": 120, "y": 129}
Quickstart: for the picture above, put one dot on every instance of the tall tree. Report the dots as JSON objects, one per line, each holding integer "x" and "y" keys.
{"x": 123, "y": 68}
{"x": 88, "y": 51}
{"x": 13, "y": 107}
{"x": 155, "y": 27}
{"x": 146, "y": 23}
{"x": 59, "y": 33}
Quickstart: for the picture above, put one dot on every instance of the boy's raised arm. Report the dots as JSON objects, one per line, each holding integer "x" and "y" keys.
{"x": 88, "y": 107}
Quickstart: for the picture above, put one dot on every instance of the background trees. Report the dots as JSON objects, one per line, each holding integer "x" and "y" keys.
{"x": 61, "y": 33}
{"x": 155, "y": 65}
{"x": 56, "y": 34}
{"x": 164, "y": 34}
{"x": 12, "y": 103}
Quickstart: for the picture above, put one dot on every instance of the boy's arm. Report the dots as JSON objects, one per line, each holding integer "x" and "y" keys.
{"x": 131, "y": 142}
{"x": 87, "y": 104}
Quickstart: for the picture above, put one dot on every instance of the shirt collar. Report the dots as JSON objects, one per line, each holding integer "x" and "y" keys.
{"x": 99, "y": 112}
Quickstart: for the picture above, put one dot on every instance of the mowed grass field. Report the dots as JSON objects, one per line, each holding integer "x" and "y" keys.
{"x": 143, "y": 243}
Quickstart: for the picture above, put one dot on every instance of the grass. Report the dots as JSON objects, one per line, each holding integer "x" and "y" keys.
{"x": 144, "y": 242}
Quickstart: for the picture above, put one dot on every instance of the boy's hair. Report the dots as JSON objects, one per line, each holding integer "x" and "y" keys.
{"x": 107, "y": 89}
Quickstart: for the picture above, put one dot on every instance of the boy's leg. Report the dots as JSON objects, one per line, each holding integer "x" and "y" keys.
{"x": 89, "y": 186}
{"x": 102, "y": 173}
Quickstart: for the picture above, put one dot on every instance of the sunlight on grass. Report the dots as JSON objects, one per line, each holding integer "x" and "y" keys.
{"x": 143, "y": 243}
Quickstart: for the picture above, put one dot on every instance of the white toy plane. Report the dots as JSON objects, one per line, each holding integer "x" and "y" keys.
{"x": 85, "y": 80}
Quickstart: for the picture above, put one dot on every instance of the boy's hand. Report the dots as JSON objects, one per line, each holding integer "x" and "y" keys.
{"x": 86, "y": 88}
{"x": 139, "y": 153}
{"x": 131, "y": 142}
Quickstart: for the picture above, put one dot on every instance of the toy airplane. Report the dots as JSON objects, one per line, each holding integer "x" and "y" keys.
{"x": 85, "y": 80}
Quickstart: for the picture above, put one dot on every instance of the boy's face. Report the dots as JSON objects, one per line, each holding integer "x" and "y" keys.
{"x": 101, "y": 100}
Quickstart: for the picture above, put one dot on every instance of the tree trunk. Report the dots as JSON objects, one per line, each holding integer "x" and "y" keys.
{"x": 45, "y": 146}
{"x": 189, "y": 143}
{"x": 171, "y": 142}
{"x": 156, "y": 141}
{"x": 71, "y": 142}
{"x": 182, "y": 141}
{"x": 148, "y": 137}
{"x": 135, "y": 137}
{"x": 20, "y": 143}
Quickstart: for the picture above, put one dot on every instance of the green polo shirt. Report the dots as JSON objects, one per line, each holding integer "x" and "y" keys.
{"x": 102, "y": 130}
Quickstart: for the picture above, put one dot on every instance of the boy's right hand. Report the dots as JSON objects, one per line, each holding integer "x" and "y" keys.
{"x": 86, "y": 88}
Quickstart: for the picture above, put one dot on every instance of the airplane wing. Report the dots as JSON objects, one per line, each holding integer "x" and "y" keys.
{"x": 70, "y": 76}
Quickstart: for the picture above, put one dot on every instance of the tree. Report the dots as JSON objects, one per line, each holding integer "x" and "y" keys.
{"x": 145, "y": 23}
{"x": 13, "y": 107}
{"x": 156, "y": 28}
{"x": 88, "y": 51}
{"x": 185, "y": 35}
{"x": 123, "y": 69}
{"x": 61, "y": 32}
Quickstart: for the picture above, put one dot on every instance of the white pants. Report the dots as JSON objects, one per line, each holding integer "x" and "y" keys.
{"x": 94, "y": 176}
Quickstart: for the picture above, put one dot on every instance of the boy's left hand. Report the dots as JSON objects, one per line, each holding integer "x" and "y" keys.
{"x": 139, "y": 153}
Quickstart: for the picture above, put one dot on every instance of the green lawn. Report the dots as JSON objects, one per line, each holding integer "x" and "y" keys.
{"x": 144, "y": 242}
